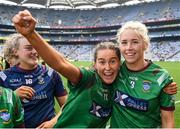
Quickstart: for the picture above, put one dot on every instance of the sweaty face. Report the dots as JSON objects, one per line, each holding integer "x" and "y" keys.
{"x": 107, "y": 65}
{"x": 27, "y": 55}
{"x": 132, "y": 47}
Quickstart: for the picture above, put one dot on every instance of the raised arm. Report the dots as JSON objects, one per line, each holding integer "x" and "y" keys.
{"x": 25, "y": 24}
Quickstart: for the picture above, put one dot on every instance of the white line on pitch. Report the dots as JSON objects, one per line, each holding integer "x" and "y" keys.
{"x": 177, "y": 102}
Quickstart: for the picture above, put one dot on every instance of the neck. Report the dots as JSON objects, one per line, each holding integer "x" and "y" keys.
{"x": 138, "y": 65}
{"x": 27, "y": 67}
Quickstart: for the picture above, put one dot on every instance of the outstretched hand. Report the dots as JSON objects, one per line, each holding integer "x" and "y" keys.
{"x": 24, "y": 23}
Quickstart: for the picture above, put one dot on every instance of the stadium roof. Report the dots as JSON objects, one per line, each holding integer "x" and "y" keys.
{"x": 72, "y": 4}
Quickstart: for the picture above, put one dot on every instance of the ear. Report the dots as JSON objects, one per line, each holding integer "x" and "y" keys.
{"x": 145, "y": 46}
{"x": 15, "y": 51}
{"x": 94, "y": 65}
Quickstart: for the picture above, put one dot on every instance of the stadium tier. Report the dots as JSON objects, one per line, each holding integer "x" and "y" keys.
{"x": 76, "y": 31}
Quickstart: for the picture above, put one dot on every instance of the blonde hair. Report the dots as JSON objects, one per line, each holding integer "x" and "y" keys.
{"x": 138, "y": 27}
{"x": 11, "y": 44}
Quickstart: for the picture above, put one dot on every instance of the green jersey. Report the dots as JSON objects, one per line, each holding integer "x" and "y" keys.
{"x": 89, "y": 103}
{"x": 139, "y": 97}
{"x": 11, "y": 111}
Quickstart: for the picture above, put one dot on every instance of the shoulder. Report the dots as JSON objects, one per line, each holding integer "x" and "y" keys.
{"x": 162, "y": 76}
{"x": 7, "y": 93}
{"x": 88, "y": 77}
{"x": 3, "y": 75}
{"x": 48, "y": 70}
{"x": 45, "y": 70}
{"x": 88, "y": 71}
{"x": 157, "y": 69}
{"x": 8, "y": 72}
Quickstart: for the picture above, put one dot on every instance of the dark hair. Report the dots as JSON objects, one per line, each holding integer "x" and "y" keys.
{"x": 107, "y": 45}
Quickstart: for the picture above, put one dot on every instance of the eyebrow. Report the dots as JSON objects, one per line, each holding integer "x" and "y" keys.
{"x": 131, "y": 40}
{"x": 100, "y": 59}
{"x": 135, "y": 39}
{"x": 114, "y": 57}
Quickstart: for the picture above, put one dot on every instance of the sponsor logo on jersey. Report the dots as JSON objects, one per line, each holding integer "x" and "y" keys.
{"x": 127, "y": 101}
{"x": 28, "y": 76}
{"x": 146, "y": 86}
{"x": 15, "y": 80}
{"x": 133, "y": 78}
{"x": 5, "y": 116}
{"x": 38, "y": 95}
{"x": 100, "y": 111}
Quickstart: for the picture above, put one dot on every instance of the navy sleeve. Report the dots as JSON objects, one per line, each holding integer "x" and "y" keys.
{"x": 59, "y": 89}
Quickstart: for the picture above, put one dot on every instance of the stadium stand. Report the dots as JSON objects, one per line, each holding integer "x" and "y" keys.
{"x": 76, "y": 31}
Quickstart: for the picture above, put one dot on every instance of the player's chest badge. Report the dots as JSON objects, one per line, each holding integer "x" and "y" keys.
{"x": 5, "y": 116}
{"x": 146, "y": 86}
{"x": 41, "y": 80}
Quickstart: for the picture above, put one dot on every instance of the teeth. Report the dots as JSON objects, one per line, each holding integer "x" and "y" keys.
{"x": 107, "y": 74}
{"x": 129, "y": 54}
